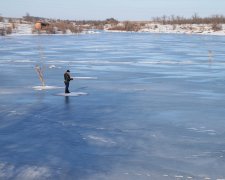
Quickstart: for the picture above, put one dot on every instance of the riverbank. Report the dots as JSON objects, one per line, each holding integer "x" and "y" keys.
{"x": 204, "y": 29}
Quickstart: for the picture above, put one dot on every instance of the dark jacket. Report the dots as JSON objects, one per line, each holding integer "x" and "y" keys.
{"x": 67, "y": 77}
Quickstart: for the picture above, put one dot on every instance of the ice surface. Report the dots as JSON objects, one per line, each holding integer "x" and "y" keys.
{"x": 46, "y": 87}
{"x": 154, "y": 109}
{"x": 72, "y": 94}
{"x": 85, "y": 78}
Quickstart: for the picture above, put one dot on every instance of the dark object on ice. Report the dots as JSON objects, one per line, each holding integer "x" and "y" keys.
{"x": 67, "y": 80}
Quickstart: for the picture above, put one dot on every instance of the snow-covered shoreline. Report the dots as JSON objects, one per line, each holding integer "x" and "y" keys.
{"x": 195, "y": 29}
{"x": 199, "y": 29}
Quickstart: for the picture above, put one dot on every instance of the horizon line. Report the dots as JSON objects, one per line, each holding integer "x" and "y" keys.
{"x": 150, "y": 19}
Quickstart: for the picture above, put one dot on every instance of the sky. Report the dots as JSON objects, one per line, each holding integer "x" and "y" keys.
{"x": 103, "y": 9}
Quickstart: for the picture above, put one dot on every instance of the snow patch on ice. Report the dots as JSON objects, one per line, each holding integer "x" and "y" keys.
{"x": 72, "y": 94}
{"x": 8, "y": 171}
{"x": 99, "y": 139}
{"x": 203, "y": 130}
{"x": 34, "y": 172}
{"x": 85, "y": 78}
{"x": 46, "y": 87}
{"x": 52, "y": 66}
{"x": 23, "y": 61}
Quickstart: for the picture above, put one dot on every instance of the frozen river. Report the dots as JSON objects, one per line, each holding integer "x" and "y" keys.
{"x": 154, "y": 109}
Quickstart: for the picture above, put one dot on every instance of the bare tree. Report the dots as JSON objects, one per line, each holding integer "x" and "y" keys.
{"x": 216, "y": 27}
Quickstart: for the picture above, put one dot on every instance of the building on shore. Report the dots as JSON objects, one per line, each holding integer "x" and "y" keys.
{"x": 41, "y": 27}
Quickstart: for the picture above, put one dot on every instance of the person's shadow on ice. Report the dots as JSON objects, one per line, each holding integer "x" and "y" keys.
{"x": 67, "y": 100}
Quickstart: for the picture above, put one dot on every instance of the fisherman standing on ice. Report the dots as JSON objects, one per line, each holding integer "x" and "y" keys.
{"x": 67, "y": 79}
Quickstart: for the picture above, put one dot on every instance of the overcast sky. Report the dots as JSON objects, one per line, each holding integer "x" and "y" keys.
{"x": 118, "y": 9}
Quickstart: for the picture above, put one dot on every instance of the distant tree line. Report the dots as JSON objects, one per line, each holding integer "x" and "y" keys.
{"x": 31, "y": 19}
{"x": 5, "y": 31}
{"x": 195, "y": 19}
{"x": 215, "y": 20}
{"x": 1, "y": 19}
{"x": 97, "y": 24}
{"x": 61, "y": 26}
{"x": 127, "y": 26}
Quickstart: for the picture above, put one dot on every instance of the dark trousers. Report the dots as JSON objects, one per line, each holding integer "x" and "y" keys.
{"x": 67, "y": 84}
